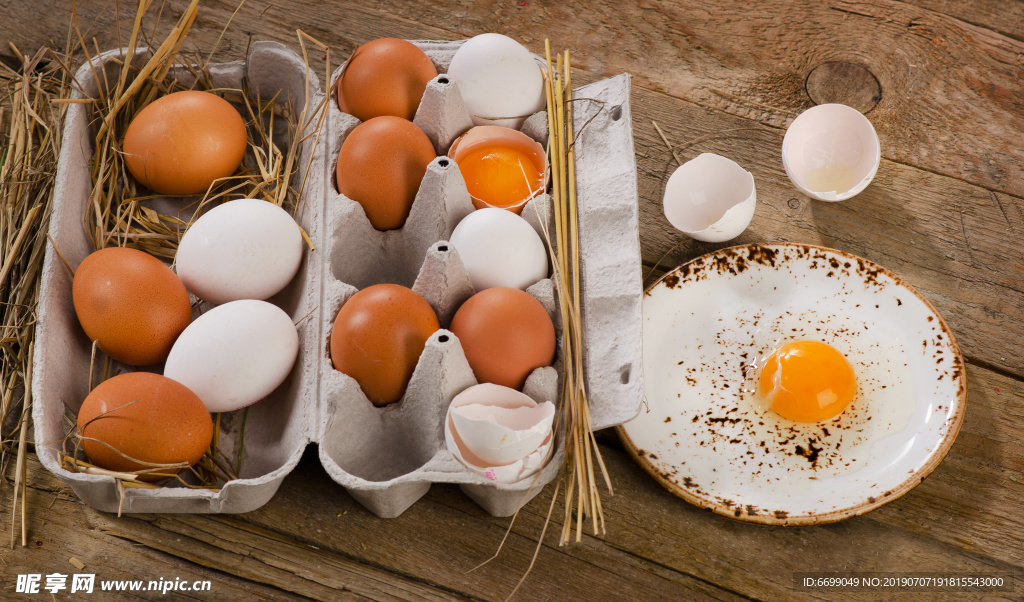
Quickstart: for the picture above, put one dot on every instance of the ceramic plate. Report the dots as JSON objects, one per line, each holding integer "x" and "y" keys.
{"x": 710, "y": 324}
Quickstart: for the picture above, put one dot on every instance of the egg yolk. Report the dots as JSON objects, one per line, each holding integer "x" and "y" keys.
{"x": 807, "y": 381}
{"x": 500, "y": 176}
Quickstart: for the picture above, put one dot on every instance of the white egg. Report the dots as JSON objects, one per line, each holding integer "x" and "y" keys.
{"x": 500, "y": 82}
{"x": 499, "y": 248}
{"x": 831, "y": 152}
{"x": 499, "y": 432}
{"x": 243, "y": 249}
{"x": 710, "y": 198}
{"x": 235, "y": 354}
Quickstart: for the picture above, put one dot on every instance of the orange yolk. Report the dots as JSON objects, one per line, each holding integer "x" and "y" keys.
{"x": 807, "y": 381}
{"x": 495, "y": 175}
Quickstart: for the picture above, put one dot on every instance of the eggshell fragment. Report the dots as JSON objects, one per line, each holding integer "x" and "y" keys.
{"x": 499, "y": 248}
{"x": 710, "y": 198}
{"x": 131, "y": 303}
{"x": 235, "y": 354}
{"x": 243, "y": 249}
{"x": 180, "y": 143}
{"x": 144, "y": 417}
{"x": 831, "y": 152}
{"x": 499, "y": 432}
{"x": 501, "y": 83}
{"x": 483, "y": 138}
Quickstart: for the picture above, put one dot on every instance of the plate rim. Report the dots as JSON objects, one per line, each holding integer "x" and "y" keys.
{"x": 781, "y": 517}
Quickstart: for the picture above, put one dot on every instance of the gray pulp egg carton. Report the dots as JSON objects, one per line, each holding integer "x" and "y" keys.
{"x": 277, "y": 428}
{"x": 385, "y": 457}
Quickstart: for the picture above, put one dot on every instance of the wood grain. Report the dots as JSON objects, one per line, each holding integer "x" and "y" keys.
{"x": 946, "y": 237}
{"x": 936, "y": 72}
{"x": 945, "y": 212}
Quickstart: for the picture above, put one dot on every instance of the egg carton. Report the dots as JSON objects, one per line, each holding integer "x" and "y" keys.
{"x": 278, "y": 428}
{"x": 385, "y": 457}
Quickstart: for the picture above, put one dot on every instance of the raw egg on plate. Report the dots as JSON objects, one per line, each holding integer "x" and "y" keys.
{"x": 750, "y": 354}
{"x": 807, "y": 381}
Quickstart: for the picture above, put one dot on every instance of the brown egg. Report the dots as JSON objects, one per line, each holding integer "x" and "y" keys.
{"x": 132, "y": 303}
{"x": 147, "y": 417}
{"x": 506, "y": 334}
{"x": 378, "y": 337}
{"x": 380, "y": 166}
{"x": 384, "y": 77}
{"x": 180, "y": 143}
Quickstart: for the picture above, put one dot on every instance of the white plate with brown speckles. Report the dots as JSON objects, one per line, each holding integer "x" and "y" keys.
{"x": 706, "y": 436}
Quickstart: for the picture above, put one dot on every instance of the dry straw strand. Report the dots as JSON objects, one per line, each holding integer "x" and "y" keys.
{"x": 30, "y": 123}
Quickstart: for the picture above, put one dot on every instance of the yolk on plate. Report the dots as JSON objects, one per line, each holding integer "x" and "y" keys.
{"x": 495, "y": 175}
{"x": 807, "y": 381}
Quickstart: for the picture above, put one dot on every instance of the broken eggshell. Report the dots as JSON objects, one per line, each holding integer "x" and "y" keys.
{"x": 710, "y": 198}
{"x": 499, "y": 432}
{"x": 485, "y": 136}
{"x": 831, "y": 152}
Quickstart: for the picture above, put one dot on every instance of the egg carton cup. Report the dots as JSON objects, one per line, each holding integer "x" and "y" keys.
{"x": 385, "y": 457}
{"x": 278, "y": 428}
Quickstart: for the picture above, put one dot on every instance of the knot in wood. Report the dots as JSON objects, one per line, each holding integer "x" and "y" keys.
{"x": 844, "y": 83}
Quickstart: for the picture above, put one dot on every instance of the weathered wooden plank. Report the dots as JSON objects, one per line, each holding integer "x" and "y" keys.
{"x": 946, "y": 237}
{"x": 444, "y": 536}
{"x": 936, "y": 72}
{"x": 1006, "y": 18}
{"x": 59, "y": 528}
{"x": 752, "y": 61}
{"x": 964, "y": 517}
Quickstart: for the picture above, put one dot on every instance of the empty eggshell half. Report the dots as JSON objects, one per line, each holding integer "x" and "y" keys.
{"x": 710, "y": 198}
{"x": 831, "y": 152}
{"x": 499, "y": 432}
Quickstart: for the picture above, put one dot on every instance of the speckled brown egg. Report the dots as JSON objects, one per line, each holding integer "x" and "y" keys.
{"x": 380, "y": 166}
{"x": 506, "y": 334}
{"x": 384, "y": 77}
{"x": 146, "y": 417}
{"x": 131, "y": 303}
{"x": 378, "y": 337}
{"x": 180, "y": 143}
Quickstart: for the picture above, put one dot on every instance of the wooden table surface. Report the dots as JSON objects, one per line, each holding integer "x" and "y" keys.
{"x": 942, "y": 82}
